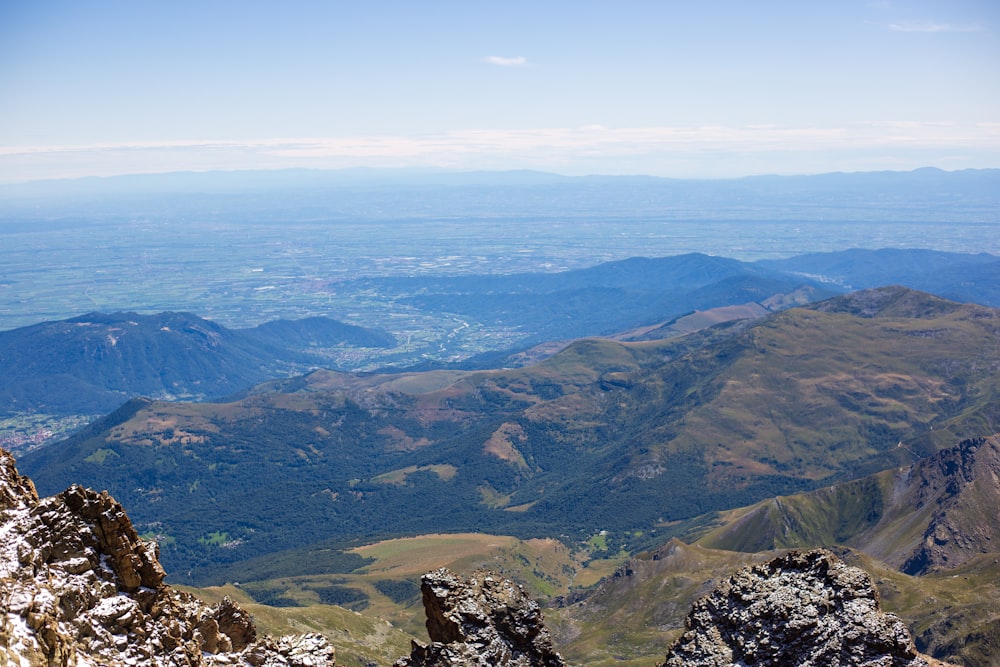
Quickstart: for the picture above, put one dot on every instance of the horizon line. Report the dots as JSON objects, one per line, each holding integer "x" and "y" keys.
{"x": 431, "y": 169}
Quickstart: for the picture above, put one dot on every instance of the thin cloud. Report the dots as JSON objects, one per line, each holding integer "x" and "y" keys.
{"x": 930, "y": 26}
{"x": 635, "y": 140}
{"x": 622, "y": 139}
{"x": 597, "y": 148}
{"x": 502, "y": 61}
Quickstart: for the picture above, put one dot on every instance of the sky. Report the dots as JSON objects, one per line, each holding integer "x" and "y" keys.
{"x": 678, "y": 88}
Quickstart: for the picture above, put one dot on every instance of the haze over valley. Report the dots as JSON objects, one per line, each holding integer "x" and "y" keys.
{"x": 246, "y": 249}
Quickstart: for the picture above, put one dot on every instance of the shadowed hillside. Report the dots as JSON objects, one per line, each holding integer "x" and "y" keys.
{"x": 95, "y": 362}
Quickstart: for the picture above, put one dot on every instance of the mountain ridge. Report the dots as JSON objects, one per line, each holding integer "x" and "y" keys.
{"x": 239, "y": 180}
{"x": 923, "y": 518}
{"x": 672, "y": 428}
{"x": 51, "y": 367}
{"x": 946, "y": 502}
{"x": 976, "y": 279}
{"x": 95, "y": 362}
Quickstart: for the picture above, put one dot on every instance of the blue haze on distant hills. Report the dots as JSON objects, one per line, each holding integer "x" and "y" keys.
{"x": 243, "y": 248}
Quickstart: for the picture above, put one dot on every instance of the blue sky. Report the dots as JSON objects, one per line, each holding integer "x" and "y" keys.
{"x": 715, "y": 88}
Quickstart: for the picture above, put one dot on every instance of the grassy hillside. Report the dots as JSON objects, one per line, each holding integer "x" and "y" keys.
{"x": 638, "y": 607}
{"x": 934, "y": 515}
{"x": 358, "y": 639}
{"x": 627, "y": 438}
{"x": 879, "y": 522}
{"x": 351, "y": 609}
{"x": 632, "y": 617}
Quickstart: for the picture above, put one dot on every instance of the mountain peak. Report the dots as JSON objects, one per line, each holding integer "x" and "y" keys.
{"x": 960, "y": 486}
{"x": 889, "y": 301}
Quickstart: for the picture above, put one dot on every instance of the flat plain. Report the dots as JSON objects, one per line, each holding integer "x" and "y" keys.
{"x": 242, "y": 274}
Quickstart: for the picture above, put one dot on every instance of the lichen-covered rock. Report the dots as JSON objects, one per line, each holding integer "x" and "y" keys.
{"x": 79, "y": 588}
{"x": 804, "y": 608}
{"x": 484, "y": 621}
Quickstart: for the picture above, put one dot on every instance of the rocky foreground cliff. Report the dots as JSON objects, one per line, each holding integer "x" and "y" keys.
{"x": 79, "y": 588}
{"x": 804, "y": 608}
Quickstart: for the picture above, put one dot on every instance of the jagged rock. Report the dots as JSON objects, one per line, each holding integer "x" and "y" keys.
{"x": 15, "y": 490}
{"x": 962, "y": 484}
{"x": 485, "y": 621}
{"x": 135, "y": 562}
{"x": 309, "y": 650}
{"x": 235, "y": 624}
{"x": 804, "y": 608}
{"x": 78, "y": 588}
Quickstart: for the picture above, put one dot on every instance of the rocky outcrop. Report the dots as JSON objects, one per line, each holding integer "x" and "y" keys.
{"x": 804, "y": 608}
{"x": 78, "y": 587}
{"x": 962, "y": 487}
{"x": 16, "y": 490}
{"x": 483, "y": 621}
{"x": 938, "y": 514}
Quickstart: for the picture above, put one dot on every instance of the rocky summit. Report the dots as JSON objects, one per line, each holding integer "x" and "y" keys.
{"x": 79, "y": 588}
{"x": 484, "y": 621}
{"x": 804, "y": 608}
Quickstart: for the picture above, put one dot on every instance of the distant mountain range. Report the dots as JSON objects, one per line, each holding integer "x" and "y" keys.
{"x": 959, "y": 277}
{"x": 604, "y": 299}
{"x": 639, "y": 292}
{"x": 94, "y": 363}
{"x": 630, "y": 438}
{"x": 923, "y": 194}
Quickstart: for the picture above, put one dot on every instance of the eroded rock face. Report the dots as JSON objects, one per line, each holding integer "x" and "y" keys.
{"x": 805, "y": 608}
{"x": 483, "y": 621}
{"x": 79, "y": 588}
{"x": 963, "y": 485}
